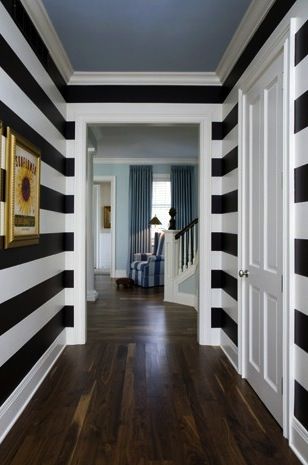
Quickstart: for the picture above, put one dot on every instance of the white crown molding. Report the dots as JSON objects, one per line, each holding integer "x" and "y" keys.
{"x": 252, "y": 19}
{"x": 144, "y": 161}
{"x": 43, "y": 24}
{"x": 144, "y": 78}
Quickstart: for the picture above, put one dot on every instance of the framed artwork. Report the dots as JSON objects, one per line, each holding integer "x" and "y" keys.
{"x": 107, "y": 217}
{"x": 22, "y": 191}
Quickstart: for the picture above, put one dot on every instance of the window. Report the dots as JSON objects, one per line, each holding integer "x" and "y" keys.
{"x": 161, "y": 201}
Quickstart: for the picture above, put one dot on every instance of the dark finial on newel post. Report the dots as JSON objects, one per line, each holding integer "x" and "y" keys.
{"x": 172, "y": 224}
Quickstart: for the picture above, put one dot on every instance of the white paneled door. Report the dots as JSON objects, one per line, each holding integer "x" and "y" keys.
{"x": 262, "y": 276}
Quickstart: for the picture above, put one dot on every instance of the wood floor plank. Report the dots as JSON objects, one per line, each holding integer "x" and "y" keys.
{"x": 143, "y": 392}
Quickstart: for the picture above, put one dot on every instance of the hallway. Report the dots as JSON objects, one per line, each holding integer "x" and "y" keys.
{"x": 142, "y": 392}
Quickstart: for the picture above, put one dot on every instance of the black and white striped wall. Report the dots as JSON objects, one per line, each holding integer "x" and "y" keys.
{"x": 224, "y": 230}
{"x": 35, "y": 301}
{"x": 301, "y": 236}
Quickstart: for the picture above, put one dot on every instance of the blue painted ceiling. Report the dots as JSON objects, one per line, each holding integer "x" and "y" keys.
{"x": 145, "y": 35}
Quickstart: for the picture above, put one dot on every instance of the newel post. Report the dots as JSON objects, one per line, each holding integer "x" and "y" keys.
{"x": 171, "y": 263}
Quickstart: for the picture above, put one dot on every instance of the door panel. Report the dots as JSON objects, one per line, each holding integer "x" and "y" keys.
{"x": 263, "y": 236}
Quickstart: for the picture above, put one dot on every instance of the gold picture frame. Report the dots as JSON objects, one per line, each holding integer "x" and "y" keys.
{"x": 23, "y": 164}
{"x": 107, "y": 217}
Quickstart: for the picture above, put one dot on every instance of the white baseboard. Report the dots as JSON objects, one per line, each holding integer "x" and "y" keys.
{"x": 19, "y": 399}
{"x": 299, "y": 441}
{"x": 120, "y": 274}
{"x": 92, "y": 295}
{"x": 185, "y": 299}
{"x": 229, "y": 348}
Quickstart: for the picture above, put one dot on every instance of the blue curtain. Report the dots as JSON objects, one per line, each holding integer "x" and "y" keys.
{"x": 183, "y": 195}
{"x": 140, "y": 209}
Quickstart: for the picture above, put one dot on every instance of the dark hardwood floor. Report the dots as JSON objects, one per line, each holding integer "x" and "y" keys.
{"x": 142, "y": 392}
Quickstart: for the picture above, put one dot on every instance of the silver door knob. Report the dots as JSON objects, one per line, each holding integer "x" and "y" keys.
{"x": 243, "y": 273}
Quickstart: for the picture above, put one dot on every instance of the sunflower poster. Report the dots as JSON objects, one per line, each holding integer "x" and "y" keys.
{"x": 23, "y": 189}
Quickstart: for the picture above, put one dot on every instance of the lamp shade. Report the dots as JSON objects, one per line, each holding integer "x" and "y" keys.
{"x": 154, "y": 221}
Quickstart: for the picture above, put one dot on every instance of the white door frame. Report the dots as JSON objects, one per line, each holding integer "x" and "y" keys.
{"x": 260, "y": 64}
{"x": 203, "y": 115}
{"x": 112, "y": 180}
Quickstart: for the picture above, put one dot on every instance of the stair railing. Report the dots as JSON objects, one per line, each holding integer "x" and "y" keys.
{"x": 188, "y": 245}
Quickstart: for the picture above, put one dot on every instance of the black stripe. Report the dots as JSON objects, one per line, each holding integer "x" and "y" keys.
{"x": 70, "y": 130}
{"x": 230, "y": 161}
{"x": 68, "y": 316}
{"x": 19, "y": 307}
{"x": 301, "y": 184}
{"x": 50, "y": 244}
{"x": 223, "y": 166}
{"x": 217, "y": 131}
{"x": 69, "y": 278}
{"x": 301, "y": 330}
{"x": 50, "y": 155}
{"x": 301, "y": 257}
{"x": 16, "y": 368}
{"x": 224, "y": 242}
{"x": 216, "y": 204}
{"x": 301, "y": 404}
{"x": 69, "y": 242}
{"x": 268, "y": 25}
{"x": 144, "y": 94}
{"x": 216, "y": 317}
{"x": 70, "y": 167}
{"x": 2, "y": 185}
{"x": 217, "y": 167}
{"x": 18, "y": 72}
{"x": 301, "y": 112}
{"x": 55, "y": 201}
{"x": 222, "y": 280}
{"x": 221, "y": 319}
{"x": 301, "y": 43}
{"x": 230, "y": 121}
{"x": 24, "y": 23}
{"x": 69, "y": 204}
{"x": 216, "y": 241}
{"x": 226, "y": 203}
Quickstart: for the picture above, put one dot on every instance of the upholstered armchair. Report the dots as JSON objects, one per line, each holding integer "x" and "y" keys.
{"x": 147, "y": 269}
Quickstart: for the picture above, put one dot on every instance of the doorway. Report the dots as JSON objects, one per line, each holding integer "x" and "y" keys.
{"x": 104, "y": 224}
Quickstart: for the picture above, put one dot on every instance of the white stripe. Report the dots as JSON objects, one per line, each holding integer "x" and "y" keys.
{"x": 301, "y": 73}
{"x": 19, "y": 278}
{"x": 52, "y": 222}
{"x": 15, "y": 39}
{"x": 230, "y": 306}
{"x": 216, "y": 148}
{"x": 230, "y": 182}
{"x": 216, "y": 298}
{"x": 229, "y": 264}
{"x": 301, "y": 293}
{"x": 229, "y": 223}
{"x": 300, "y": 366}
{"x": 16, "y": 337}
{"x": 216, "y": 223}
{"x": 216, "y": 185}
{"x": 301, "y": 220}
{"x": 18, "y": 102}
{"x": 230, "y": 141}
{"x": 301, "y": 144}
{"x": 230, "y": 102}
{"x": 215, "y": 260}
{"x": 52, "y": 178}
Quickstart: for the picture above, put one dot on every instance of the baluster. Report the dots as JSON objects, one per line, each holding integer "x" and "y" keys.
{"x": 182, "y": 252}
{"x": 187, "y": 248}
{"x": 192, "y": 232}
